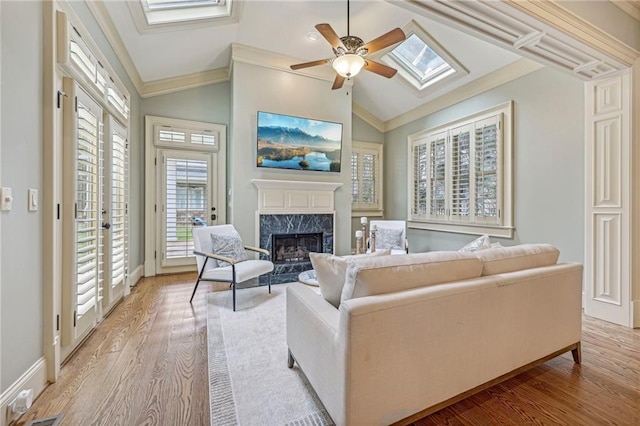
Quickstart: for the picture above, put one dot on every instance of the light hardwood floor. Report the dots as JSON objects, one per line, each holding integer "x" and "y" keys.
{"x": 146, "y": 364}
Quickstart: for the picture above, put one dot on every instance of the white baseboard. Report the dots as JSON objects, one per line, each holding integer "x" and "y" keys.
{"x": 34, "y": 378}
{"x": 136, "y": 275}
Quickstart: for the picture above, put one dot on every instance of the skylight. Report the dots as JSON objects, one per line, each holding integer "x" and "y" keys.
{"x": 421, "y": 61}
{"x": 176, "y": 11}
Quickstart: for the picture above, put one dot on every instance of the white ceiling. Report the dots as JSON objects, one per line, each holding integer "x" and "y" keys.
{"x": 281, "y": 27}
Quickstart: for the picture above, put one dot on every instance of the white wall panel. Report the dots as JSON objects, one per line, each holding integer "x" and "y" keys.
{"x": 607, "y": 163}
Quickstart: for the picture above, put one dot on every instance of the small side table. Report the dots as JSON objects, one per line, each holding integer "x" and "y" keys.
{"x": 308, "y": 278}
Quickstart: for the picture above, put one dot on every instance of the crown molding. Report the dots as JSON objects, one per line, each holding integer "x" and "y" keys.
{"x": 252, "y": 55}
{"x": 630, "y": 7}
{"x": 490, "y": 81}
{"x": 190, "y": 81}
{"x": 368, "y": 117}
{"x": 565, "y": 21}
{"x": 103, "y": 18}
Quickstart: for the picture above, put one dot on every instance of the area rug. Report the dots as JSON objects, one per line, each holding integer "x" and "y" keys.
{"x": 249, "y": 381}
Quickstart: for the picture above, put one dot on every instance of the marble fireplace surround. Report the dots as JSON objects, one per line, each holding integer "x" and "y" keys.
{"x": 289, "y": 207}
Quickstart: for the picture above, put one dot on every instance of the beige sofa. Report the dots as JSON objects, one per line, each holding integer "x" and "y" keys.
{"x": 415, "y": 333}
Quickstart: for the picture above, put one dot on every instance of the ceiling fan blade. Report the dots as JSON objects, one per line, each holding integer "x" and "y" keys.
{"x": 392, "y": 37}
{"x": 310, "y": 64}
{"x": 379, "y": 68}
{"x": 330, "y": 35}
{"x": 338, "y": 82}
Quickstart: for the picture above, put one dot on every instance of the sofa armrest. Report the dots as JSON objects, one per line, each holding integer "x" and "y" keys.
{"x": 312, "y": 338}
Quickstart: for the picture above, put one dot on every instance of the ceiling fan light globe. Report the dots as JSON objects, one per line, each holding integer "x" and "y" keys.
{"x": 348, "y": 65}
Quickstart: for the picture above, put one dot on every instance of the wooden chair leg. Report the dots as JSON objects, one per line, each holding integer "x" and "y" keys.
{"x": 577, "y": 354}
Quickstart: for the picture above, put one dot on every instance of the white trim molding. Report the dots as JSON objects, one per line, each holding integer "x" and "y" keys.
{"x": 136, "y": 275}
{"x": 34, "y": 378}
{"x": 369, "y": 118}
{"x": 540, "y": 30}
{"x": 295, "y": 197}
{"x": 630, "y": 7}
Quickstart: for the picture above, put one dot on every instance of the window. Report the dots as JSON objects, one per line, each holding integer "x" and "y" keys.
{"x": 421, "y": 61}
{"x": 366, "y": 177}
{"x": 178, "y": 11}
{"x": 460, "y": 175}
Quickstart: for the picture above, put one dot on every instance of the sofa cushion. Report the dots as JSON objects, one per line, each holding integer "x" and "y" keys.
{"x": 331, "y": 271}
{"x": 394, "y": 273}
{"x": 509, "y": 259}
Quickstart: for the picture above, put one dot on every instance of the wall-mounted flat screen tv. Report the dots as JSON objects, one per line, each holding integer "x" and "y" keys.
{"x": 286, "y": 142}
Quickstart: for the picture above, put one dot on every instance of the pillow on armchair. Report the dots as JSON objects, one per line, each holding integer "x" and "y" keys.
{"x": 229, "y": 245}
{"x": 389, "y": 238}
{"x": 331, "y": 272}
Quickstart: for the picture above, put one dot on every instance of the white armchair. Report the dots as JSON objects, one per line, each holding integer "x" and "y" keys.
{"x": 390, "y": 234}
{"x": 227, "y": 261}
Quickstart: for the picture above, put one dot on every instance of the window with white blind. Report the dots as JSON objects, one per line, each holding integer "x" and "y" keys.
{"x": 366, "y": 178}
{"x": 460, "y": 175}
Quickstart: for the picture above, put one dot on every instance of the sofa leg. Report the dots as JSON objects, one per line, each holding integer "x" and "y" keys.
{"x": 577, "y": 354}
{"x": 290, "y": 359}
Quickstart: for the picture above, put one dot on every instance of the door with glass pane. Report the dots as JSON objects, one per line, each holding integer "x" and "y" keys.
{"x": 114, "y": 216}
{"x": 185, "y": 201}
{"x": 82, "y": 205}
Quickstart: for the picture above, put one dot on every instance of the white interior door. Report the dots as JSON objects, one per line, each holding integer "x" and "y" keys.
{"x": 186, "y": 194}
{"x": 82, "y": 194}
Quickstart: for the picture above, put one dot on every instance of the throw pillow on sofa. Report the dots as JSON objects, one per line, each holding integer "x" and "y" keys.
{"x": 481, "y": 243}
{"x": 331, "y": 271}
{"x": 525, "y": 256}
{"x": 383, "y": 275}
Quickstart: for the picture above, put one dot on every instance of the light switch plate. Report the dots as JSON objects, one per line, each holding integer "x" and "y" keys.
{"x": 6, "y": 199}
{"x": 32, "y": 200}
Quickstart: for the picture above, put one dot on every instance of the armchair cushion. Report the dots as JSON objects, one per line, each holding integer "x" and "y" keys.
{"x": 331, "y": 271}
{"x": 229, "y": 245}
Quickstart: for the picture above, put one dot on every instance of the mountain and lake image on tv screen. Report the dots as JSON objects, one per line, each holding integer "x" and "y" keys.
{"x": 287, "y": 142}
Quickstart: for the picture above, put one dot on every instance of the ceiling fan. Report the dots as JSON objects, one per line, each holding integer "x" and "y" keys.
{"x": 351, "y": 53}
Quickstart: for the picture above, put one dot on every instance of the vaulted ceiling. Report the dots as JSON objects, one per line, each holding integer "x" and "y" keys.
{"x": 166, "y": 57}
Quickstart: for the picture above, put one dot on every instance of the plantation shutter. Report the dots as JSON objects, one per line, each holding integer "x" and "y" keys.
{"x": 437, "y": 198}
{"x": 119, "y": 197}
{"x": 460, "y": 174}
{"x": 82, "y": 236}
{"x": 420, "y": 173}
{"x": 486, "y": 180}
{"x": 366, "y": 175}
{"x": 355, "y": 181}
{"x": 186, "y": 201}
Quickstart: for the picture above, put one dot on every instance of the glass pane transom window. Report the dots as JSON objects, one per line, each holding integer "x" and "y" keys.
{"x": 420, "y": 60}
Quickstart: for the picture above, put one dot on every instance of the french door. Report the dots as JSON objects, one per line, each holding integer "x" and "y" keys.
{"x": 94, "y": 214}
{"x": 82, "y": 207}
{"x": 185, "y": 185}
{"x": 115, "y": 213}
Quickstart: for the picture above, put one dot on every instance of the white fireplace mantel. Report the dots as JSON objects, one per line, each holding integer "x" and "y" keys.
{"x": 284, "y": 196}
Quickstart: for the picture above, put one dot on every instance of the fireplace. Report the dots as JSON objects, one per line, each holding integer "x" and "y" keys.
{"x": 293, "y": 219}
{"x": 314, "y": 232}
{"x": 291, "y": 248}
